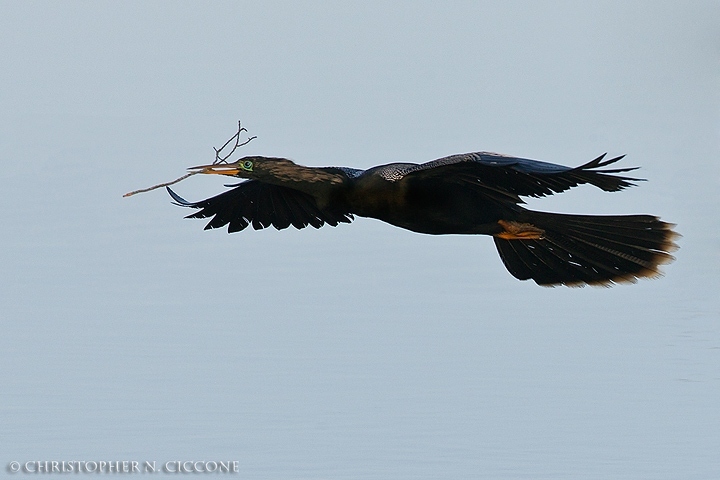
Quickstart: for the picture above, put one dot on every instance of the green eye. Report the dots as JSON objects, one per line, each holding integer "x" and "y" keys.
{"x": 247, "y": 165}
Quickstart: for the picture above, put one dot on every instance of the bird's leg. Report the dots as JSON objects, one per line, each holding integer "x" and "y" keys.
{"x": 519, "y": 231}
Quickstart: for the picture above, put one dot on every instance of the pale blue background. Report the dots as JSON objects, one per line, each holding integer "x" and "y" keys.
{"x": 362, "y": 351}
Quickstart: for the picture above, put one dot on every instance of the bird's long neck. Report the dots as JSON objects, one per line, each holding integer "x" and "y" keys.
{"x": 318, "y": 182}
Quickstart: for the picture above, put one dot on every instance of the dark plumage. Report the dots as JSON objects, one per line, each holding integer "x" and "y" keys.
{"x": 474, "y": 193}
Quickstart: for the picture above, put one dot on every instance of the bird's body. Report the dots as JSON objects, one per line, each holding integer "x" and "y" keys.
{"x": 474, "y": 193}
{"x": 432, "y": 206}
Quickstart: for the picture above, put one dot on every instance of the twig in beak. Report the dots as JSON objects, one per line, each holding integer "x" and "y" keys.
{"x": 143, "y": 190}
{"x": 218, "y": 160}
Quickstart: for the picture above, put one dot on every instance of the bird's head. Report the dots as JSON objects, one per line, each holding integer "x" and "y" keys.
{"x": 246, "y": 167}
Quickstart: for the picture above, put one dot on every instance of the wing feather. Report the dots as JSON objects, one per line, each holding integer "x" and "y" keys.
{"x": 524, "y": 177}
{"x": 261, "y": 205}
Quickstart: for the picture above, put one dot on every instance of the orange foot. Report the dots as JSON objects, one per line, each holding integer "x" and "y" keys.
{"x": 519, "y": 231}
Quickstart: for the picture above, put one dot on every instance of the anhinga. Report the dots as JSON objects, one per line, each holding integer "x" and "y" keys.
{"x": 473, "y": 193}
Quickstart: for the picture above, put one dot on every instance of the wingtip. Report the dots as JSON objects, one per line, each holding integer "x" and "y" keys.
{"x": 596, "y": 165}
{"x": 178, "y": 200}
{"x": 600, "y": 162}
{"x": 611, "y": 161}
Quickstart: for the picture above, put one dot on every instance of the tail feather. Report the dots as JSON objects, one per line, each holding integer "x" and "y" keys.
{"x": 578, "y": 250}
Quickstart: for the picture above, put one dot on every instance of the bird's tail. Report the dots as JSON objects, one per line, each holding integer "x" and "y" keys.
{"x": 577, "y": 250}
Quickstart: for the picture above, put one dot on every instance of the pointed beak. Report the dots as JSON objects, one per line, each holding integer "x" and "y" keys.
{"x": 220, "y": 169}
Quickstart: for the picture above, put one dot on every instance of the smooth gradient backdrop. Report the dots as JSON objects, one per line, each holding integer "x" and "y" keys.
{"x": 362, "y": 351}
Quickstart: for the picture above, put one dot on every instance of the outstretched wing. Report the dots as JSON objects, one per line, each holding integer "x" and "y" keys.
{"x": 522, "y": 176}
{"x": 262, "y": 205}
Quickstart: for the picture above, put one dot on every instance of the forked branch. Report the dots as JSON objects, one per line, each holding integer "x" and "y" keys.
{"x": 219, "y": 158}
{"x": 236, "y": 139}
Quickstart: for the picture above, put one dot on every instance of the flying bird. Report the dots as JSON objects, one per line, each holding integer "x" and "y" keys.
{"x": 473, "y": 193}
